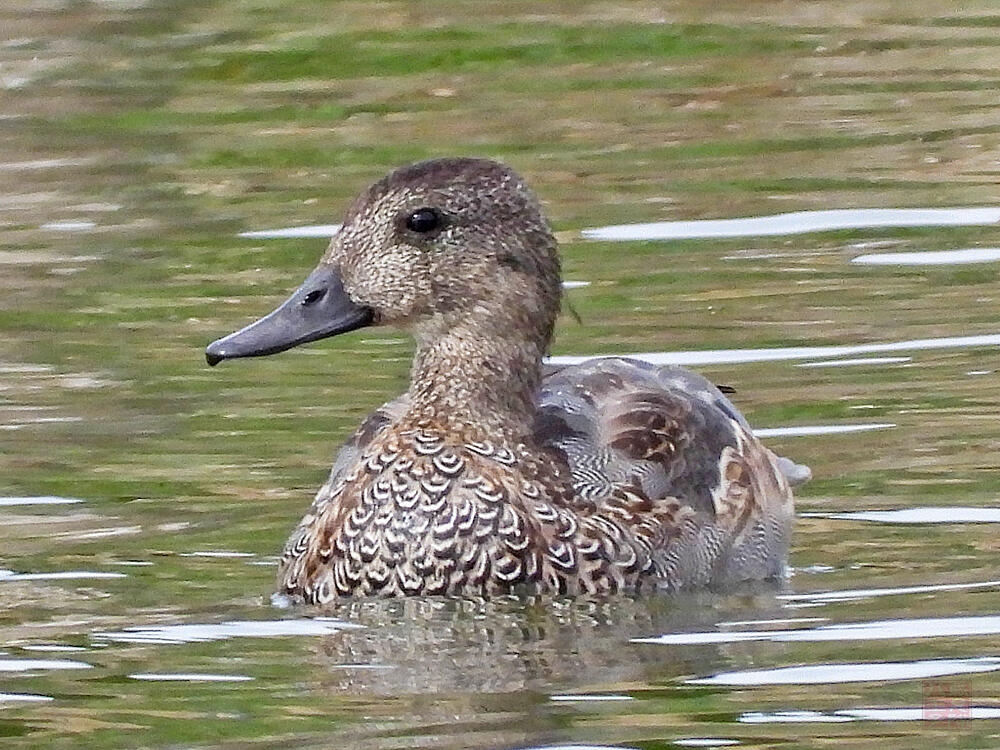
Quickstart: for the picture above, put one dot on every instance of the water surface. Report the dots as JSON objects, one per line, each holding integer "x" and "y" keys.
{"x": 147, "y": 148}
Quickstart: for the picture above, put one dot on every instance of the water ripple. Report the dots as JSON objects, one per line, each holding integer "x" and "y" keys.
{"x": 41, "y": 500}
{"x": 929, "y": 514}
{"x": 920, "y": 713}
{"x": 59, "y": 575}
{"x": 191, "y": 677}
{"x": 68, "y": 226}
{"x": 24, "y": 698}
{"x": 739, "y": 356}
{"x": 851, "y": 594}
{"x": 580, "y": 698}
{"x": 32, "y": 665}
{"x": 797, "y": 222}
{"x": 858, "y": 361}
{"x": 931, "y": 257}
{"x": 314, "y": 230}
{"x": 827, "y": 674}
{"x": 925, "y": 627}
{"x": 820, "y": 429}
{"x": 203, "y": 632}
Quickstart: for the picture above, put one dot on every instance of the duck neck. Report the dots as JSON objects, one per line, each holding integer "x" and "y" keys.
{"x": 482, "y": 386}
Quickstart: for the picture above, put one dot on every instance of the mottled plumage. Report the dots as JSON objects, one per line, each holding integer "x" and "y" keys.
{"x": 484, "y": 477}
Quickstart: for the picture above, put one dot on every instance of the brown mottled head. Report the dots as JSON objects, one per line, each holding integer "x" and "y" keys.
{"x": 445, "y": 236}
{"x": 431, "y": 246}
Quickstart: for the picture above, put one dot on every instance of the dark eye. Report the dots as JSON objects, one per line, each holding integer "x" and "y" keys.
{"x": 423, "y": 220}
{"x": 313, "y": 297}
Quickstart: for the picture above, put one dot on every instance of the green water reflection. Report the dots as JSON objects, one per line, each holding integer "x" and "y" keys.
{"x": 138, "y": 139}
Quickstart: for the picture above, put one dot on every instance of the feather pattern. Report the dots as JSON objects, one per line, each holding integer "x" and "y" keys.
{"x": 492, "y": 474}
{"x": 636, "y": 476}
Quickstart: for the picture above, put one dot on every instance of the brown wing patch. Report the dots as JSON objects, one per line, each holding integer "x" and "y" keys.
{"x": 648, "y": 427}
{"x": 734, "y": 498}
{"x": 751, "y": 485}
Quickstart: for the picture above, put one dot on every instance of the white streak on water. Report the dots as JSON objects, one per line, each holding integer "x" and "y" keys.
{"x": 217, "y": 553}
{"x": 820, "y": 429}
{"x": 24, "y": 697}
{"x": 42, "y": 500}
{"x": 736, "y": 356}
{"x": 859, "y": 361}
{"x": 575, "y": 284}
{"x": 181, "y": 677}
{"x": 706, "y": 742}
{"x": 30, "y": 665}
{"x": 27, "y": 369}
{"x": 203, "y": 632}
{"x": 877, "y": 630}
{"x": 930, "y": 514}
{"x": 314, "y": 230}
{"x": 590, "y": 698}
{"x": 852, "y": 594}
{"x": 793, "y": 717}
{"x": 40, "y": 420}
{"x": 828, "y": 674}
{"x": 931, "y": 257}
{"x": 920, "y": 713}
{"x": 782, "y": 620}
{"x": 59, "y": 575}
{"x": 68, "y": 226}
{"x": 797, "y": 222}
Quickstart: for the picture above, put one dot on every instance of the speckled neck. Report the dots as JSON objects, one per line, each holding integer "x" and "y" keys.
{"x": 480, "y": 378}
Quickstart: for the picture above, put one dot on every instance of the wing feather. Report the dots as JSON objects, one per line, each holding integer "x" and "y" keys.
{"x": 664, "y": 430}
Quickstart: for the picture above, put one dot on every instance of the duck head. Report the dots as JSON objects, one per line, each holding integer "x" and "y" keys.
{"x": 437, "y": 247}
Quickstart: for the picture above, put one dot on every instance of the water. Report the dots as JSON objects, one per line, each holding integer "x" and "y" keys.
{"x": 798, "y": 222}
{"x": 737, "y": 356}
{"x": 317, "y": 230}
{"x": 932, "y": 257}
{"x": 874, "y": 630}
{"x": 926, "y": 514}
{"x": 145, "y": 150}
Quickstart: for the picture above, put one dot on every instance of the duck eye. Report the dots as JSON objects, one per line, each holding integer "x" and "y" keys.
{"x": 423, "y": 220}
{"x": 313, "y": 297}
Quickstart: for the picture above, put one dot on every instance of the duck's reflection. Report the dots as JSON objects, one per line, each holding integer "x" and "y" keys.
{"x": 467, "y": 645}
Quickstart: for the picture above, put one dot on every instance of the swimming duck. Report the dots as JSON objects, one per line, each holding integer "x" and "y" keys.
{"x": 489, "y": 476}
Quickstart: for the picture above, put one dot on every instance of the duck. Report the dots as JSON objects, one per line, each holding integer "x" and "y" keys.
{"x": 494, "y": 473}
